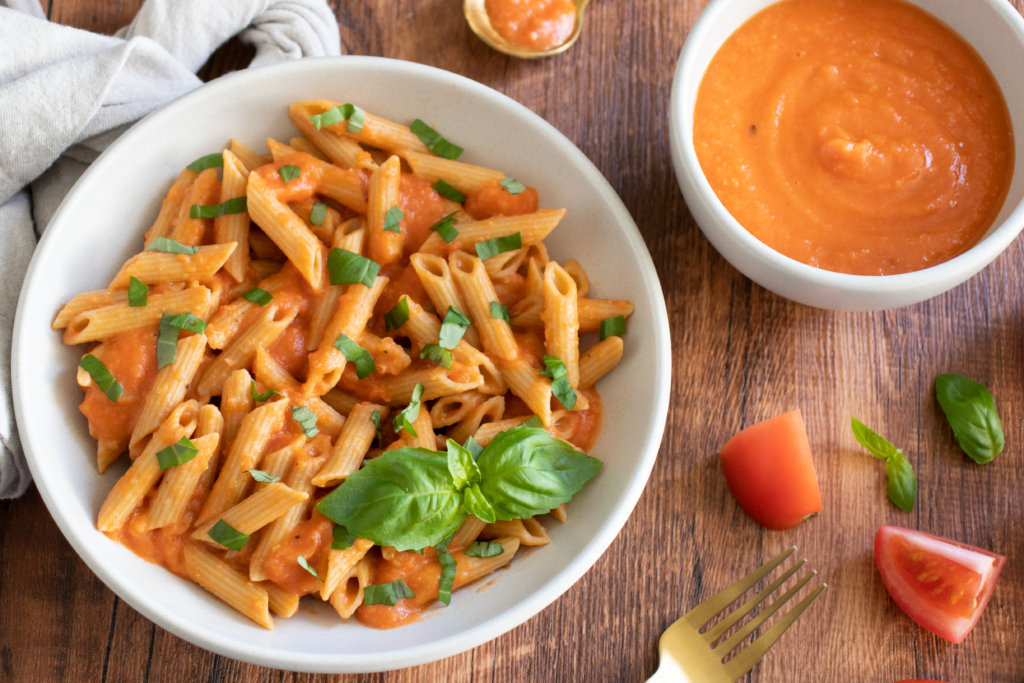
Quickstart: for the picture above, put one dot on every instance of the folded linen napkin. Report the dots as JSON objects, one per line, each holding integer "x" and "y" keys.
{"x": 66, "y": 94}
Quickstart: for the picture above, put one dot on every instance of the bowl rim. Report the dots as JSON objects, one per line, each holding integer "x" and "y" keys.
{"x": 685, "y": 161}
{"x": 326, "y": 662}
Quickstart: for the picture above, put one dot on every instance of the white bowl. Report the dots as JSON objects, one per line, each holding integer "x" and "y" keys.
{"x": 992, "y": 27}
{"x": 100, "y": 224}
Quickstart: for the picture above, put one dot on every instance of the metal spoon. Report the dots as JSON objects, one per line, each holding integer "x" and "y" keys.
{"x": 480, "y": 23}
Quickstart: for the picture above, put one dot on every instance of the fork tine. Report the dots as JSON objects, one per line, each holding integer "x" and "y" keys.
{"x": 721, "y": 627}
{"x": 738, "y": 637}
{"x": 745, "y": 660}
{"x": 705, "y": 611}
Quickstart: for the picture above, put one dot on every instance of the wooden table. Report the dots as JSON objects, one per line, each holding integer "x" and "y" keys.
{"x": 742, "y": 354}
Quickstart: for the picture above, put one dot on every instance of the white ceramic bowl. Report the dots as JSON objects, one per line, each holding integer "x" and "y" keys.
{"x": 100, "y": 224}
{"x": 995, "y": 30}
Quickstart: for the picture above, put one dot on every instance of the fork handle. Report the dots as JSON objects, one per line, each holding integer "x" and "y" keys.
{"x": 668, "y": 672}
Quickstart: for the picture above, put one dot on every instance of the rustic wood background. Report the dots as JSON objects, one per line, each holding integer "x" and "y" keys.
{"x": 742, "y": 354}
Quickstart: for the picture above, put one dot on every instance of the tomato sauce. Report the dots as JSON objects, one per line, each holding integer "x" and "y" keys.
{"x": 422, "y": 207}
{"x": 131, "y": 358}
{"x": 534, "y": 24}
{"x": 495, "y": 200}
{"x": 298, "y": 189}
{"x": 422, "y": 573}
{"x": 312, "y": 540}
{"x": 868, "y": 139}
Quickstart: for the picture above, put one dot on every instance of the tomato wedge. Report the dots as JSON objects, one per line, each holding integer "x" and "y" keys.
{"x": 769, "y": 470}
{"x": 941, "y": 584}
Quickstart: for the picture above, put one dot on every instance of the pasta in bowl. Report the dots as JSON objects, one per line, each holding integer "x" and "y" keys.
{"x": 306, "y": 332}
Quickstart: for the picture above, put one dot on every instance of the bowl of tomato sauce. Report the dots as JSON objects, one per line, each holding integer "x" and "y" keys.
{"x": 853, "y": 154}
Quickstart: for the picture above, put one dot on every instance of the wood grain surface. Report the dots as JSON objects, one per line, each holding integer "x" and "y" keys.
{"x": 741, "y": 354}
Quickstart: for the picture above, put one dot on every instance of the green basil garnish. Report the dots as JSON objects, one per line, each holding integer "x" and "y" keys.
{"x": 513, "y": 186}
{"x": 453, "y": 328}
{"x": 265, "y": 396}
{"x": 560, "y": 386}
{"x": 446, "y": 228}
{"x": 397, "y": 316}
{"x": 613, "y": 327}
{"x": 318, "y": 214}
{"x": 306, "y": 419}
{"x": 448, "y": 571}
{"x": 205, "y": 162}
{"x": 176, "y": 454}
{"x": 346, "y": 267}
{"x": 355, "y": 116}
{"x": 262, "y": 477}
{"x": 434, "y": 142}
{"x": 485, "y": 549}
{"x": 533, "y": 423}
{"x": 104, "y": 378}
{"x": 437, "y": 354}
{"x": 167, "y": 338}
{"x": 356, "y": 354}
{"x": 228, "y": 536}
{"x": 236, "y": 205}
{"x": 500, "y": 312}
{"x": 499, "y": 245}
{"x": 392, "y": 220}
{"x": 902, "y": 485}
{"x": 341, "y": 539}
{"x": 387, "y": 593}
{"x": 308, "y": 567}
{"x": 971, "y": 412}
{"x": 138, "y": 292}
{"x": 258, "y": 296}
{"x": 473, "y": 447}
{"x": 288, "y": 173}
{"x": 449, "y": 192}
{"x": 169, "y": 246}
{"x": 405, "y": 419}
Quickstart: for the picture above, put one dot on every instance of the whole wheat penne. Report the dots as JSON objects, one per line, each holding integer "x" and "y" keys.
{"x": 211, "y": 422}
{"x": 298, "y": 479}
{"x": 101, "y": 324}
{"x": 235, "y": 403}
{"x": 599, "y": 360}
{"x": 526, "y": 531}
{"x": 287, "y": 230}
{"x": 342, "y": 401}
{"x": 345, "y": 187}
{"x": 351, "y": 446}
{"x": 270, "y": 374}
{"x": 467, "y": 533}
{"x": 248, "y": 158}
{"x": 87, "y": 301}
{"x": 282, "y": 603}
{"x": 491, "y": 410}
{"x": 228, "y": 584}
{"x": 464, "y": 177}
{"x": 579, "y": 276}
{"x": 436, "y": 278}
{"x": 591, "y": 313}
{"x": 165, "y": 220}
{"x": 385, "y": 245}
{"x": 561, "y": 320}
{"x": 341, "y": 563}
{"x": 396, "y": 390}
{"x": 472, "y": 568}
{"x": 532, "y": 228}
{"x": 348, "y": 596}
{"x": 227, "y": 323}
{"x": 341, "y": 149}
{"x": 306, "y": 146}
{"x": 323, "y": 310}
{"x": 264, "y": 332}
{"x": 152, "y": 267}
{"x": 255, "y": 512}
{"x": 478, "y": 293}
{"x": 234, "y": 227}
{"x": 448, "y": 410}
{"x": 205, "y": 191}
{"x": 279, "y": 463}
{"x": 179, "y": 483}
{"x": 376, "y": 132}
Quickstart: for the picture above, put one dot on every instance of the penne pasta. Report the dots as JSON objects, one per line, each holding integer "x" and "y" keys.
{"x": 561, "y": 320}
{"x": 385, "y": 245}
{"x": 228, "y": 584}
{"x": 599, "y": 360}
{"x": 287, "y": 231}
{"x": 532, "y": 228}
{"x": 234, "y": 227}
{"x": 171, "y": 206}
{"x": 255, "y": 512}
{"x": 272, "y": 323}
{"x": 101, "y": 324}
{"x": 297, "y": 479}
{"x": 465, "y": 178}
{"x": 152, "y": 267}
{"x": 179, "y": 483}
{"x": 437, "y": 280}
{"x": 352, "y": 444}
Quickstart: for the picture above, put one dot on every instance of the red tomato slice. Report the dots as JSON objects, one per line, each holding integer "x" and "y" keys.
{"x": 943, "y": 585}
{"x": 769, "y": 470}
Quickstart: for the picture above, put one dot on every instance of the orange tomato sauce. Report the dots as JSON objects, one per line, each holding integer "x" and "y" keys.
{"x": 131, "y": 358}
{"x": 533, "y": 24}
{"x": 857, "y": 136}
{"x": 495, "y": 200}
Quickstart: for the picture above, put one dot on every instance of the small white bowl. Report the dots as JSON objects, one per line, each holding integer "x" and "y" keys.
{"x": 992, "y": 27}
{"x": 100, "y": 224}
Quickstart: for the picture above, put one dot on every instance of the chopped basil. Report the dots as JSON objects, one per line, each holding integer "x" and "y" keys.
{"x": 513, "y": 186}
{"x": 378, "y": 422}
{"x": 205, "y": 162}
{"x": 392, "y": 220}
{"x": 439, "y": 355}
{"x": 387, "y": 593}
{"x": 613, "y": 327}
{"x": 228, "y": 536}
{"x": 236, "y": 205}
{"x": 306, "y": 419}
{"x": 971, "y": 412}
{"x": 560, "y": 386}
{"x": 397, "y": 316}
{"x": 355, "y": 353}
{"x": 355, "y": 116}
{"x": 453, "y": 328}
{"x": 434, "y": 142}
{"x": 448, "y": 571}
{"x": 169, "y": 246}
{"x": 262, "y": 477}
{"x": 485, "y": 549}
{"x": 473, "y": 447}
{"x": 418, "y": 551}
{"x": 308, "y": 567}
{"x": 902, "y": 485}
{"x": 446, "y": 228}
{"x": 318, "y": 214}
{"x": 138, "y": 292}
{"x": 288, "y": 173}
{"x": 167, "y": 338}
{"x": 405, "y": 418}
{"x": 347, "y": 267}
{"x": 449, "y": 192}
{"x": 176, "y": 454}
{"x": 265, "y": 396}
{"x": 500, "y": 312}
{"x": 533, "y": 423}
{"x": 104, "y": 378}
{"x": 499, "y": 245}
{"x": 341, "y": 539}
{"x": 258, "y": 296}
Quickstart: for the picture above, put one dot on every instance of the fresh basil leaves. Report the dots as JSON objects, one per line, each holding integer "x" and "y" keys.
{"x": 560, "y": 386}
{"x": 169, "y": 246}
{"x": 318, "y": 213}
{"x": 355, "y": 116}
{"x": 138, "y": 292}
{"x": 227, "y": 535}
{"x": 236, "y": 205}
{"x": 265, "y": 396}
{"x": 902, "y": 484}
{"x": 453, "y": 327}
{"x": 102, "y": 376}
{"x": 485, "y": 549}
{"x": 437, "y": 354}
{"x": 306, "y": 419}
{"x": 449, "y": 192}
{"x": 405, "y": 418}
{"x": 446, "y": 227}
{"x": 263, "y": 477}
{"x": 167, "y": 337}
{"x": 387, "y": 593}
{"x": 289, "y": 172}
{"x": 341, "y": 539}
{"x": 971, "y": 412}
{"x": 499, "y": 245}
{"x": 258, "y": 296}
{"x": 397, "y": 316}
{"x": 357, "y": 355}
{"x": 613, "y": 327}
{"x": 308, "y": 567}
{"x": 393, "y": 219}
{"x": 205, "y": 162}
{"x": 448, "y": 571}
{"x": 434, "y": 142}
{"x": 513, "y": 186}
{"x": 176, "y": 454}
{"x": 500, "y": 312}
{"x": 346, "y": 267}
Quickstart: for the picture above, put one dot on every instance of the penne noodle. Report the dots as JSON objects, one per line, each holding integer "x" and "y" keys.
{"x": 348, "y": 596}
{"x": 532, "y": 228}
{"x": 340, "y": 149}
{"x": 341, "y": 400}
{"x": 376, "y": 132}
{"x": 487, "y": 432}
{"x": 228, "y": 584}
{"x": 101, "y": 324}
{"x": 179, "y": 483}
{"x": 579, "y": 276}
{"x": 255, "y": 512}
{"x": 465, "y": 178}
{"x": 352, "y": 444}
{"x": 436, "y": 278}
{"x": 152, "y": 267}
{"x": 599, "y": 360}
{"x": 448, "y": 410}
{"x": 467, "y": 533}
{"x": 298, "y": 479}
{"x": 282, "y": 603}
{"x": 389, "y": 358}
{"x": 87, "y": 301}
{"x": 397, "y": 390}
{"x": 204, "y": 191}
{"x": 234, "y": 227}
{"x": 561, "y": 320}
{"x": 287, "y": 231}
{"x": 527, "y": 531}
{"x": 491, "y": 410}
{"x": 340, "y": 565}
{"x": 272, "y": 323}
{"x": 248, "y": 158}
{"x": 478, "y": 293}
{"x": 271, "y": 375}
{"x": 385, "y": 246}
{"x": 227, "y": 322}
{"x": 591, "y": 313}
{"x": 304, "y": 145}
{"x": 171, "y": 206}
{"x": 211, "y": 422}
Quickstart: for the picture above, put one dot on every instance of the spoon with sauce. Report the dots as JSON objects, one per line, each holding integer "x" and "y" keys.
{"x": 528, "y": 30}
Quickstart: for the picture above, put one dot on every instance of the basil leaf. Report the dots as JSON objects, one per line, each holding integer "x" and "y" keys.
{"x": 439, "y": 355}
{"x": 485, "y": 549}
{"x": 104, "y": 378}
{"x": 418, "y": 552}
{"x": 397, "y": 316}
{"x": 167, "y": 337}
{"x": 306, "y": 419}
{"x": 499, "y": 245}
{"x": 526, "y": 472}
{"x": 356, "y": 354}
{"x": 258, "y": 296}
{"x": 560, "y": 385}
{"x": 513, "y": 186}
{"x": 613, "y": 327}
{"x": 342, "y": 539}
{"x": 473, "y": 447}
{"x": 434, "y": 142}
{"x": 462, "y": 466}
{"x": 533, "y": 423}
{"x": 265, "y": 396}
{"x": 387, "y": 593}
{"x": 475, "y": 503}
{"x": 378, "y": 422}
{"x": 405, "y": 498}
{"x": 289, "y": 173}
{"x": 405, "y": 418}
{"x": 228, "y": 536}
{"x": 318, "y": 214}
{"x": 308, "y": 567}
{"x": 263, "y": 477}
{"x": 176, "y": 454}
{"x": 392, "y": 220}
{"x": 971, "y": 412}
{"x": 449, "y": 192}
{"x": 453, "y": 328}
{"x": 205, "y": 162}
{"x": 187, "y": 322}
{"x": 169, "y": 246}
{"x": 448, "y": 571}
{"x": 875, "y": 444}
{"x": 235, "y": 205}
{"x": 446, "y": 228}
{"x": 356, "y": 117}
{"x": 347, "y": 267}
{"x": 500, "y": 312}
{"x": 902, "y": 485}
{"x": 138, "y": 292}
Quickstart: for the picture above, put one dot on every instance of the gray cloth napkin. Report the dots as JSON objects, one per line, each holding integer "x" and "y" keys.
{"x": 66, "y": 94}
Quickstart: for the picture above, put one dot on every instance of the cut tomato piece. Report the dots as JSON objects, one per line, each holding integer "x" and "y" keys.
{"x": 769, "y": 470}
{"x": 941, "y": 584}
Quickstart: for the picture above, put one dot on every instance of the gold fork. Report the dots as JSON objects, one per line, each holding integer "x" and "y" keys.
{"x": 687, "y": 654}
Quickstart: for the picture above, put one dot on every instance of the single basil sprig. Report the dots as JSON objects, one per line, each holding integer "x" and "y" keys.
{"x": 560, "y": 386}
{"x": 971, "y": 412}
{"x": 393, "y": 219}
{"x": 265, "y": 396}
{"x": 448, "y": 571}
{"x": 500, "y": 312}
{"x": 262, "y": 477}
{"x": 341, "y": 539}
{"x": 449, "y": 192}
{"x": 347, "y": 267}
{"x": 378, "y": 422}
{"x": 288, "y": 173}
{"x": 397, "y": 316}
{"x": 357, "y": 355}
{"x": 258, "y": 296}
{"x": 228, "y": 536}
{"x": 446, "y": 228}
{"x": 441, "y": 356}
{"x": 613, "y": 327}
{"x": 308, "y": 567}
{"x": 410, "y": 498}
{"x": 499, "y": 245}
{"x": 513, "y": 186}
{"x": 167, "y": 337}
{"x": 318, "y": 213}
{"x": 453, "y": 327}
{"x": 176, "y": 454}
{"x": 138, "y": 292}
{"x": 306, "y": 419}
{"x": 902, "y": 485}
{"x": 355, "y": 116}
{"x": 434, "y": 142}
{"x": 235, "y": 205}
{"x": 485, "y": 549}
{"x": 169, "y": 246}
{"x": 405, "y": 418}
{"x": 387, "y": 593}
{"x": 205, "y": 162}
{"x": 104, "y": 378}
